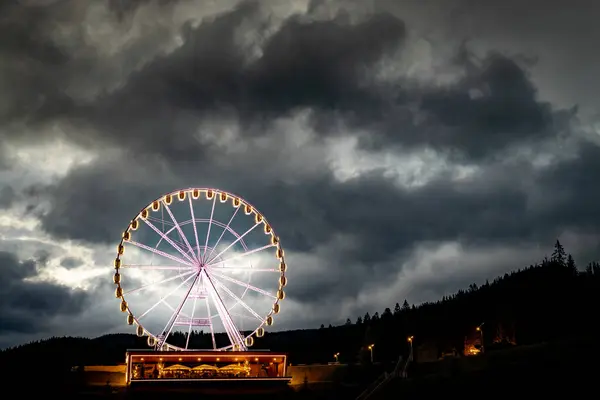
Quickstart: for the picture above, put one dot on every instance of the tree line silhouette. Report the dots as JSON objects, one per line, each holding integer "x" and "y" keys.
{"x": 551, "y": 300}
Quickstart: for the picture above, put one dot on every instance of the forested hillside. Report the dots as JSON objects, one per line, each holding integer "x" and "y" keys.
{"x": 548, "y": 301}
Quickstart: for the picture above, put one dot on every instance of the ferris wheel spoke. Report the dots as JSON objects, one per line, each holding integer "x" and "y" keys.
{"x": 160, "y": 253}
{"x": 227, "y": 228}
{"x": 169, "y": 327}
{"x": 247, "y": 269}
{"x": 243, "y": 284}
{"x": 234, "y": 242}
{"x": 172, "y": 278}
{"x": 157, "y": 267}
{"x": 183, "y": 237}
{"x": 168, "y": 240}
{"x": 160, "y": 221}
{"x": 244, "y": 254}
{"x": 197, "y": 252}
{"x": 210, "y": 221}
{"x": 238, "y": 300}
{"x": 178, "y": 242}
{"x": 162, "y": 299}
{"x": 170, "y": 307}
{"x": 232, "y": 332}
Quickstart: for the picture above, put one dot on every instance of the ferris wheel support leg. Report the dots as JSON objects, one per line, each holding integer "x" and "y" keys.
{"x": 173, "y": 318}
{"x": 215, "y": 298}
{"x": 232, "y": 332}
{"x": 230, "y": 328}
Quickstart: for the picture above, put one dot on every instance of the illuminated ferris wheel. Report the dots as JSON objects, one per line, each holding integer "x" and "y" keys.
{"x": 200, "y": 260}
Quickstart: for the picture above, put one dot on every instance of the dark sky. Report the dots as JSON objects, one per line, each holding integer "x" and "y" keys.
{"x": 401, "y": 149}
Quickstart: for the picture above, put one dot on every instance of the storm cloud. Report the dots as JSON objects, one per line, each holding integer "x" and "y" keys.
{"x": 27, "y": 305}
{"x": 382, "y": 145}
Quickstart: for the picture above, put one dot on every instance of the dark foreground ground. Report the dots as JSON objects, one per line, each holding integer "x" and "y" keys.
{"x": 568, "y": 368}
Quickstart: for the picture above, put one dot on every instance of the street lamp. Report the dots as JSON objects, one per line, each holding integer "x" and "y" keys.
{"x": 410, "y": 342}
{"x": 371, "y": 350}
{"x": 480, "y": 330}
{"x": 336, "y": 355}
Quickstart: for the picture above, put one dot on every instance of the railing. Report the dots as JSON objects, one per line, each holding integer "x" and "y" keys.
{"x": 404, "y": 372}
{"x": 382, "y": 380}
{"x": 400, "y": 371}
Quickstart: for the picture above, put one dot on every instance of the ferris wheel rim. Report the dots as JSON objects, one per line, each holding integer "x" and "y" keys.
{"x": 216, "y": 194}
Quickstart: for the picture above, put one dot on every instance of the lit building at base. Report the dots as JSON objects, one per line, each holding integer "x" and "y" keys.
{"x": 171, "y": 366}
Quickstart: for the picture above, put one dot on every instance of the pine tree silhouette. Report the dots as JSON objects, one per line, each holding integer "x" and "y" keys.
{"x": 367, "y": 318}
{"x": 571, "y": 264}
{"x": 387, "y": 314}
{"x": 559, "y": 256}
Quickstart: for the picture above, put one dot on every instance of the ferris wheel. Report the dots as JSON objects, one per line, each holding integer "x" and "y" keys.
{"x": 200, "y": 268}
